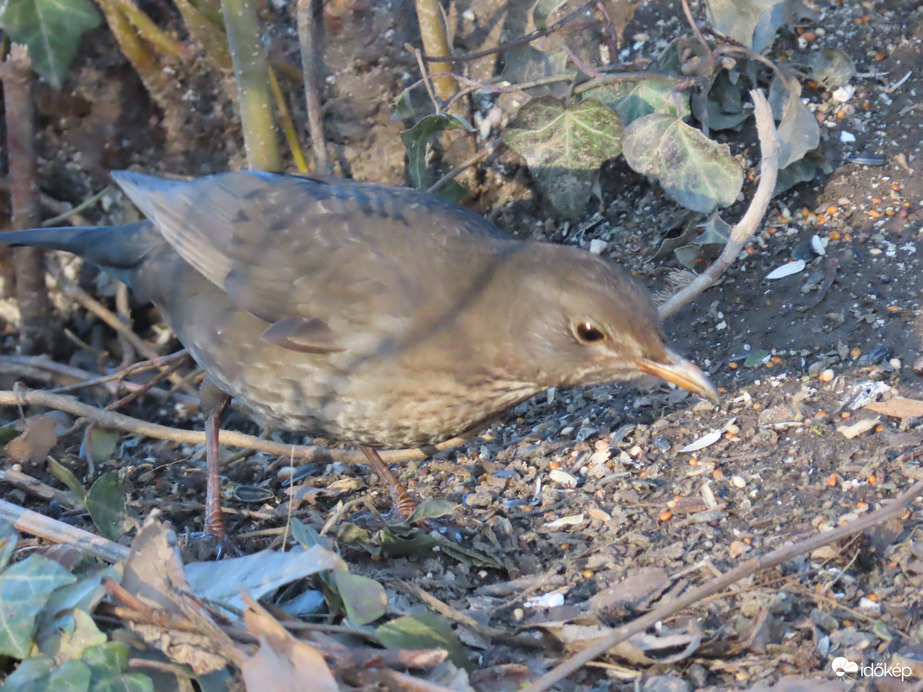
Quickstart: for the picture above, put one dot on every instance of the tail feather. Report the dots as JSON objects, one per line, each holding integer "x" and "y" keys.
{"x": 117, "y": 249}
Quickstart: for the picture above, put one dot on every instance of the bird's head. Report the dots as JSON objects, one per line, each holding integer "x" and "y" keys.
{"x": 585, "y": 321}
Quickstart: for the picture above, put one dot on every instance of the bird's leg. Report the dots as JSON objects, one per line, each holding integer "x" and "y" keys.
{"x": 403, "y": 504}
{"x": 214, "y": 401}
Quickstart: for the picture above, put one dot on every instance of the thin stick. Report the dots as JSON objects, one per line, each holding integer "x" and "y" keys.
{"x": 85, "y": 204}
{"x": 106, "y": 315}
{"x": 36, "y": 524}
{"x": 748, "y": 225}
{"x": 304, "y": 454}
{"x": 757, "y": 564}
{"x": 305, "y": 14}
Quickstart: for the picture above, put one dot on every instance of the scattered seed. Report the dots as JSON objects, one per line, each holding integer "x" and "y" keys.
{"x": 666, "y": 515}
{"x": 855, "y": 353}
{"x": 733, "y": 366}
{"x": 845, "y": 414}
{"x": 786, "y": 270}
{"x": 834, "y": 235}
{"x": 738, "y": 482}
{"x": 833, "y": 479}
{"x": 874, "y": 213}
{"x": 826, "y": 375}
{"x": 862, "y": 505}
{"x": 587, "y": 574}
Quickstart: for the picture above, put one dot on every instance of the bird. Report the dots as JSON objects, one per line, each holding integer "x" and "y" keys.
{"x": 368, "y": 314}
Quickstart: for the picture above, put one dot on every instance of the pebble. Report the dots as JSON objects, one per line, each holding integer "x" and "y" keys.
{"x": 597, "y": 246}
{"x": 738, "y": 482}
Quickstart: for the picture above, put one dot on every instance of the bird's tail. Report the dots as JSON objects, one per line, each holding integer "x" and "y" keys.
{"x": 117, "y": 249}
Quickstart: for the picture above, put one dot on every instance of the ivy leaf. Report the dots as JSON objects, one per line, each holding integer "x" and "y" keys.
{"x": 694, "y": 170}
{"x": 418, "y": 143}
{"x": 106, "y": 503}
{"x": 636, "y": 98}
{"x": 50, "y": 29}
{"x": 751, "y": 22}
{"x": 798, "y": 131}
{"x": 564, "y": 147}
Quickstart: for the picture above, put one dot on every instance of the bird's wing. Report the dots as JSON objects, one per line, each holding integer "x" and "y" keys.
{"x": 313, "y": 258}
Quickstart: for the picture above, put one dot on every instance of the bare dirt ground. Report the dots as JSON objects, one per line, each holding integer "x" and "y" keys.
{"x": 645, "y": 520}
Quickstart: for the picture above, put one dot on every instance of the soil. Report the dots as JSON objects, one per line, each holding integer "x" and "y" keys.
{"x": 646, "y": 519}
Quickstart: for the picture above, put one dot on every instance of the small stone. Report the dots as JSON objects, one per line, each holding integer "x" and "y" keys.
{"x": 597, "y": 246}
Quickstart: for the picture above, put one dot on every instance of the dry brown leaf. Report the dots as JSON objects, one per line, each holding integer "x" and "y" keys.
{"x": 898, "y": 407}
{"x": 38, "y": 438}
{"x": 282, "y": 662}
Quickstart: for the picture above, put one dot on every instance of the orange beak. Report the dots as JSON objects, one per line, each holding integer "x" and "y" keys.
{"x": 682, "y": 373}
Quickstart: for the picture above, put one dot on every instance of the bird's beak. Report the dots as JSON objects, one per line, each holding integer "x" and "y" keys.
{"x": 682, "y": 373}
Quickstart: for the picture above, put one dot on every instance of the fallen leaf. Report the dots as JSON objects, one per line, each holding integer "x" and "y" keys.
{"x": 898, "y": 407}
{"x": 38, "y": 438}
{"x": 282, "y": 662}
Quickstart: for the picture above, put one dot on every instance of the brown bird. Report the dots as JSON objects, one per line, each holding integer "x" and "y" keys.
{"x": 369, "y": 314}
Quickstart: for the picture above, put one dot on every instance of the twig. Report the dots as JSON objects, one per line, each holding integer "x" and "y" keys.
{"x": 757, "y": 564}
{"x": 311, "y": 92}
{"x": 436, "y": 42}
{"x": 35, "y": 486}
{"x": 288, "y": 127}
{"x": 427, "y": 78}
{"x": 516, "y": 42}
{"x": 105, "y": 314}
{"x": 709, "y": 56}
{"x": 37, "y": 332}
{"x": 85, "y": 204}
{"x": 451, "y": 175}
{"x": 748, "y": 225}
{"x": 251, "y": 73}
{"x": 36, "y": 524}
{"x": 305, "y": 454}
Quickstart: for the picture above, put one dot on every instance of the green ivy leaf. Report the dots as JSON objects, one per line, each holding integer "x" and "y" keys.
{"x": 694, "y": 170}
{"x": 50, "y": 29}
{"x": 424, "y": 631}
{"x": 564, "y": 147}
{"x": 636, "y": 98}
{"x": 365, "y": 599}
{"x": 418, "y": 143}
{"x": 24, "y": 590}
{"x": 106, "y": 504}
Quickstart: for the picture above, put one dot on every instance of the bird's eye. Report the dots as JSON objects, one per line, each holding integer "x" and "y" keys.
{"x": 589, "y": 333}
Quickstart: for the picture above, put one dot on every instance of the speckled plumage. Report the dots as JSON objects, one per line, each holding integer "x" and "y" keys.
{"x": 370, "y": 314}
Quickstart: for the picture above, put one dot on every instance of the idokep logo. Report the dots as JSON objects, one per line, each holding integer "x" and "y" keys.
{"x": 844, "y": 668}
